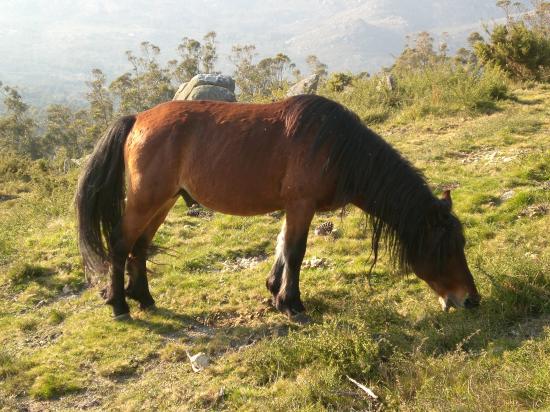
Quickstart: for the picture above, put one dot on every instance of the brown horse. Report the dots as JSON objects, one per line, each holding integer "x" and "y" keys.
{"x": 301, "y": 155}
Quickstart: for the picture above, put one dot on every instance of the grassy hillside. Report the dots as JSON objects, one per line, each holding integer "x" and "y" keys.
{"x": 60, "y": 350}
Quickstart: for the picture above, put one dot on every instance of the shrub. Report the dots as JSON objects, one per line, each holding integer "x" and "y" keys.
{"x": 337, "y": 82}
{"x": 521, "y": 46}
{"x": 522, "y": 53}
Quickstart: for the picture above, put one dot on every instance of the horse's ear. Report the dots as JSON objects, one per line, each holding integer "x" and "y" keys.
{"x": 447, "y": 198}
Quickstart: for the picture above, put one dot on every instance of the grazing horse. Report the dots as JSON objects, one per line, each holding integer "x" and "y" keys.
{"x": 301, "y": 155}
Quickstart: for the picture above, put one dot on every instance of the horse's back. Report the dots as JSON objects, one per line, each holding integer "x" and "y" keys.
{"x": 232, "y": 157}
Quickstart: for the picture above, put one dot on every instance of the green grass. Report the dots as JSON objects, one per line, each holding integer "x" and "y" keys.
{"x": 435, "y": 91}
{"x": 59, "y": 349}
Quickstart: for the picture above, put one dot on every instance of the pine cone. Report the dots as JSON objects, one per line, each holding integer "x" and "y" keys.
{"x": 194, "y": 212}
{"x": 324, "y": 229}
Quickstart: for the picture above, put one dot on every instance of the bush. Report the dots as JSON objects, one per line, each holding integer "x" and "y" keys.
{"x": 337, "y": 82}
{"x": 522, "y": 53}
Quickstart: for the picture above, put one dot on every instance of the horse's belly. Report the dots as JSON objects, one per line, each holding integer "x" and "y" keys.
{"x": 235, "y": 189}
{"x": 234, "y": 200}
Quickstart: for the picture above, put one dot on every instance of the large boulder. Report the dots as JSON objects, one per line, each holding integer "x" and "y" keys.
{"x": 209, "y": 92}
{"x": 304, "y": 86}
{"x": 207, "y": 87}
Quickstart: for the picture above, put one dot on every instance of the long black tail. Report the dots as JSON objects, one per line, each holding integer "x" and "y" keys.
{"x": 100, "y": 195}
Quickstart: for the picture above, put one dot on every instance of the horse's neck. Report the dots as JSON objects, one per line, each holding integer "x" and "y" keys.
{"x": 397, "y": 203}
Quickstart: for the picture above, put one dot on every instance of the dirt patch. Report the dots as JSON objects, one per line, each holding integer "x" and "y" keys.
{"x": 535, "y": 210}
{"x": 488, "y": 156}
{"x": 446, "y": 186}
{"x": 241, "y": 263}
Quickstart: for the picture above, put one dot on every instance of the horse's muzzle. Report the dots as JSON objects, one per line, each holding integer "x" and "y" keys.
{"x": 470, "y": 302}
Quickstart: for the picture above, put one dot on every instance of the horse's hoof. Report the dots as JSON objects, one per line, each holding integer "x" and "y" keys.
{"x": 148, "y": 308}
{"x": 123, "y": 317}
{"x": 300, "y": 318}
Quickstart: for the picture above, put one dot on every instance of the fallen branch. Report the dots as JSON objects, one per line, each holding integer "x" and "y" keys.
{"x": 368, "y": 391}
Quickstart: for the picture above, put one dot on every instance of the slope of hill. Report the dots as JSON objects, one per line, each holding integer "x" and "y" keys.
{"x": 53, "y": 45}
{"x": 60, "y": 350}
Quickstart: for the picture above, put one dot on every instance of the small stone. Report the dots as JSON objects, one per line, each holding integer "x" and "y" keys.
{"x": 507, "y": 195}
{"x": 315, "y": 263}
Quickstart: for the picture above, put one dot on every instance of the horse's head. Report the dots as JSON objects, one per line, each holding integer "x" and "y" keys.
{"x": 443, "y": 263}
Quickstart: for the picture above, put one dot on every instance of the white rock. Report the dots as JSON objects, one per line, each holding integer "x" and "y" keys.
{"x": 219, "y": 80}
{"x": 507, "y": 195}
{"x": 304, "y": 86}
{"x": 198, "y": 361}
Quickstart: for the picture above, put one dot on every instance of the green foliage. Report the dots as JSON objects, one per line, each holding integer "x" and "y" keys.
{"x": 101, "y": 107}
{"x": 439, "y": 89}
{"x": 344, "y": 347}
{"x": 419, "y": 55}
{"x": 63, "y": 130}
{"x": 520, "y": 47}
{"x": 55, "y": 317}
{"x": 521, "y": 52}
{"x": 195, "y": 58}
{"x": 146, "y": 85}
{"x": 25, "y": 273}
{"x": 337, "y": 82}
{"x": 17, "y": 127}
{"x": 316, "y": 66}
{"x": 260, "y": 79}
{"x": 51, "y": 386}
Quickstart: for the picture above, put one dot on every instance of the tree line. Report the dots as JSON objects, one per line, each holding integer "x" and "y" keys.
{"x": 73, "y": 133}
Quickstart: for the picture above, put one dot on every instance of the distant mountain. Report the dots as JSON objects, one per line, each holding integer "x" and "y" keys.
{"x": 49, "y": 47}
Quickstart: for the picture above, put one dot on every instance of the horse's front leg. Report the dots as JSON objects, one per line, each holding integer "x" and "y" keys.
{"x": 298, "y": 219}
{"x": 273, "y": 281}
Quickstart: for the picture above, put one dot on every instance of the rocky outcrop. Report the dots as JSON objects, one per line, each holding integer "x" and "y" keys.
{"x": 304, "y": 86}
{"x": 207, "y": 87}
{"x": 209, "y": 92}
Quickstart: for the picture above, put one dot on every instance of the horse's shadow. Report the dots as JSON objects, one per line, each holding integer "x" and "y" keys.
{"x": 442, "y": 332}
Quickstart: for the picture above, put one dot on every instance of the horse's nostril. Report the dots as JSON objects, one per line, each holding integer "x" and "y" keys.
{"x": 470, "y": 303}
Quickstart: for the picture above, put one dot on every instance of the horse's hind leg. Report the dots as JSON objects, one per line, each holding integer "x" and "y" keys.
{"x": 298, "y": 219}
{"x": 134, "y": 222}
{"x": 138, "y": 287}
{"x": 115, "y": 295}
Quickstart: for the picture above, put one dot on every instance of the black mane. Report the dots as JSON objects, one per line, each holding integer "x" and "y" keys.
{"x": 401, "y": 208}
